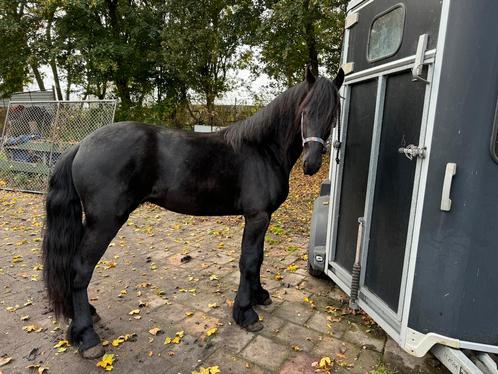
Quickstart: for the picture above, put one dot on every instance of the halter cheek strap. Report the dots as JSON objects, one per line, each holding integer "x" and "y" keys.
{"x": 311, "y": 138}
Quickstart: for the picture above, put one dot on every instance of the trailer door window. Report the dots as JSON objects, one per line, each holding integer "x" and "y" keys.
{"x": 494, "y": 137}
{"x": 386, "y": 33}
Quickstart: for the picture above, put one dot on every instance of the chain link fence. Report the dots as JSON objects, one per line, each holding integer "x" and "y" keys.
{"x": 36, "y": 134}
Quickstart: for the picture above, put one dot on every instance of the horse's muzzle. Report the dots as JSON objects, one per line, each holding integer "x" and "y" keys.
{"x": 311, "y": 167}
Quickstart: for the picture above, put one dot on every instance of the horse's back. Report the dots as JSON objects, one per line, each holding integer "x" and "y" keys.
{"x": 124, "y": 164}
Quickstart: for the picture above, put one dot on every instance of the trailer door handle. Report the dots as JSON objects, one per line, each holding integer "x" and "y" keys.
{"x": 418, "y": 67}
{"x": 448, "y": 180}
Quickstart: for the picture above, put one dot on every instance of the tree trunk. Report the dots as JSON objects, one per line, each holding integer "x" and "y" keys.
{"x": 123, "y": 92}
{"x": 210, "y": 108}
{"x": 53, "y": 66}
{"x": 310, "y": 36}
{"x": 52, "y": 62}
{"x": 68, "y": 87}
{"x": 38, "y": 77}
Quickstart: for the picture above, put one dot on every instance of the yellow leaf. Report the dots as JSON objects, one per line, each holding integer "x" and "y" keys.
{"x": 292, "y": 268}
{"x": 213, "y": 305}
{"x": 296, "y": 348}
{"x": 106, "y": 362}
{"x": 213, "y": 277}
{"x": 211, "y": 331}
{"x": 61, "y": 344}
{"x": 208, "y": 370}
{"x": 118, "y": 341}
{"x": 176, "y": 340}
{"x": 134, "y": 311}
{"x": 324, "y": 363}
{"x": 278, "y": 277}
{"x": 32, "y": 328}
{"x": 189, "y": 314}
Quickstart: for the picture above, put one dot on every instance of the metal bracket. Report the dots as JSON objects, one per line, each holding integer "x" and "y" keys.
{"x": 419, "y": 58}
{"x": 412, "y": 151}
{"x": 458, "y": 363}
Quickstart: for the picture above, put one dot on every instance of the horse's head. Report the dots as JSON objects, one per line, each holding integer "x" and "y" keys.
{"x": 317, "y": 114}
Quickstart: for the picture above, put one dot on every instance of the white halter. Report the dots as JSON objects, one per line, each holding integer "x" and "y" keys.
{"x": 311, "y": 138}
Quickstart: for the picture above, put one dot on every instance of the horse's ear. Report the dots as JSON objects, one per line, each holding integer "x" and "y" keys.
{"x": 310, "y": 77}
{"x": 339, "y": 78}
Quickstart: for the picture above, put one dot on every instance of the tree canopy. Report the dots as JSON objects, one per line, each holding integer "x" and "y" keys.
{"x": 159, "y": 54}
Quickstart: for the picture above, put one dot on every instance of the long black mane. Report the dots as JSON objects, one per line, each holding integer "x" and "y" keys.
{"x": 282, "y": 113}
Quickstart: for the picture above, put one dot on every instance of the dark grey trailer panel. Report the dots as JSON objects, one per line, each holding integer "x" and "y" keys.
{"x": 429, "y": 247}
{"x": 455, "y": 290}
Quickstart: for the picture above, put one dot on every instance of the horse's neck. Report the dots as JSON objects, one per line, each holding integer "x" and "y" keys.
{"x": 289, "y": 145}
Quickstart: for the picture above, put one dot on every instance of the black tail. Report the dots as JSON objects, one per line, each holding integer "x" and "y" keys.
{"x": 63, "y": 232}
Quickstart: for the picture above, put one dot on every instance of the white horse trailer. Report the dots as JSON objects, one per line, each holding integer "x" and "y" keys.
{"x": 408, "y": 224}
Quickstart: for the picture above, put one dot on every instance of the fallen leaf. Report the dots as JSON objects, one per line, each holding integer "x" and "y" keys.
{"x": 189, "y": 314}
{"x": 176, "y": 340}
{"x": 134, "y": 311}
{"x": 61, "y": 343}
{"x": 213, "y": 277}
{"x": 213, "y": 305}
{"x": 116, "y": 342}
{"x": 208, "y": 370}
{"x": 154, "y": 331}
{"x": 32, "y": 328}
{"x": 5, "y": 360}
{"x": 325, "y": 363}
{"x": 40, "y": 369}
{"x": 278, "y": 277}
{"x": 296, "y": 348}
{"x": 106, "y": 362}
{"x": 292, "y": 268}
{"x": 211, "y": 331}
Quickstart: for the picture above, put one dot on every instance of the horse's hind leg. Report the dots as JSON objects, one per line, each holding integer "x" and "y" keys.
{"x": 250, "y": 290}
{"x": 97, "y": 236}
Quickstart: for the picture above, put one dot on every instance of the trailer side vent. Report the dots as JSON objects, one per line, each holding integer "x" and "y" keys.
{"x": 386, "y": 33}
{"x": 494, "y": 137}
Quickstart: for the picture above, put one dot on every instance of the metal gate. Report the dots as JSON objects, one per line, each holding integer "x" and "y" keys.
{"x": 36, "y": 133}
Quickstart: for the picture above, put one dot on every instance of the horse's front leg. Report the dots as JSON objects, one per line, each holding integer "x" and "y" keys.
{"x": 250, "y": 289}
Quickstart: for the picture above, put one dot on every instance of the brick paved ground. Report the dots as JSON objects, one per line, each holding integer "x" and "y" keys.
{"x": 142, "y": 272}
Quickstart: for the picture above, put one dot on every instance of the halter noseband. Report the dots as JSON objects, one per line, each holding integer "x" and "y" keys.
{"x": 311, "y": 138}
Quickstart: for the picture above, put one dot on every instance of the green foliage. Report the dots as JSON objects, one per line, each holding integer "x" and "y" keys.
{"x": 201, "y": 43}
{"x": 297, "y": 32}
{"x": 155, "y": 55}
{"x": 14, "y": 51}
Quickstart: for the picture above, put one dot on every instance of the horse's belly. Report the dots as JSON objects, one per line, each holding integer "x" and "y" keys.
{"x": 199, "y": 203}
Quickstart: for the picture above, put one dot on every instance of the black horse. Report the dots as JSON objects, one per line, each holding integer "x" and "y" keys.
{"x": 242, "y": 170}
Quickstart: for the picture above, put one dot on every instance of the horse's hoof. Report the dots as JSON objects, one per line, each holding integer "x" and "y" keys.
{"x": 267, "y": 301}
{"x": 255, "y": 327}
{"x": 96, "y": 351}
